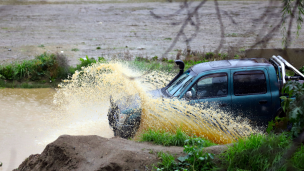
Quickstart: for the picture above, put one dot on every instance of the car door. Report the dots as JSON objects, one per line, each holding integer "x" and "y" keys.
{"x": 251, "y": 96}
{"x": 212, "y": 90}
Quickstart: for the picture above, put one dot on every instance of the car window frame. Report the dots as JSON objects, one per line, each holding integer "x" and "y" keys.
{"x": 249, "y": 73}
{"x": 206, "y": 76}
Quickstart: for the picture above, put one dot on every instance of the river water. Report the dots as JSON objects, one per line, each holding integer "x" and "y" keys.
{"x": 27, "y": 123}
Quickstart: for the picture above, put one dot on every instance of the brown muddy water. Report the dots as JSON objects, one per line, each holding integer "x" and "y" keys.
{"x": 26, "y": 123}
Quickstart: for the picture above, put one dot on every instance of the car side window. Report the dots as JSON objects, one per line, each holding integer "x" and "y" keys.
{"x": 213, "y": 85}
{"x": 249, "y": 83}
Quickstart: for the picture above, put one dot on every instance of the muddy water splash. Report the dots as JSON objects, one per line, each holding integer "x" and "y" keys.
{"x": 96, "y": 83}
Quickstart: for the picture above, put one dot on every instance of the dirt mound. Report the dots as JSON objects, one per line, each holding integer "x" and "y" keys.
{"x": 97, "y": 153}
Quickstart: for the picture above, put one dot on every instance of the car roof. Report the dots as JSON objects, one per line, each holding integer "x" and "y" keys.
{"x": 234, "y": 63}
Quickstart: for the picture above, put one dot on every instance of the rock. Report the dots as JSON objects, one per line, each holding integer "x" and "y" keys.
{"x": 9, "y": 49}
{"x": 94, "y": 153}
{"x": 98, "y": 153}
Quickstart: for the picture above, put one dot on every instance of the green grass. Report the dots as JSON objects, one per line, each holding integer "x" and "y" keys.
{"x": 194, "y": 159}
{"x": 258, "y": 152}
{"x": 45, "y": 65}
{"x": 171, "y": 139}
{"x": 297, "y": 161}
{"x": 167, "y": 161}
{"x": 232, "y": 35}
{"x": 46, "y": 70}
{"x": 41, "y": 46}
{"x": 161, "y": 65}
{"x": 75, "y": 49}
{"x": 242, "y": 50}
{"x": 145, "y": 64}
{"x": 98, "y": 48}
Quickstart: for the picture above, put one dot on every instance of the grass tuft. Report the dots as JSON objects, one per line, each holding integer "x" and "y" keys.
{"x": 297, "y": 160}
{"x": 75, "y": 49}
{"x": 168, "y": 161}
{"x": 257, "y": 152}
{"x": 171, "y": 139}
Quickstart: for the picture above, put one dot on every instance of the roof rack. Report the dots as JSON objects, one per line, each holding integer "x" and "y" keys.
{"x": 283, "y": 64}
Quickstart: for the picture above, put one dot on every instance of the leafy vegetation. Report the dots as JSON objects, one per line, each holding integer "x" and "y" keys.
{"x": 146, "y": 64}
{"x": 173, "y": 139}
{"x": 75, "y": 49}
{"x": 168, "y": 162}
{"x": 168, "y": 38}
{"x": 44, "y": 65}
{"x": 258, "y": 152}
{"x": 232, "y": 35}
{"x": 297, "y": 161}
{"x": 46, "y": 70}
{"x": 293, "y": 105}
{"x": 196, "y": 158}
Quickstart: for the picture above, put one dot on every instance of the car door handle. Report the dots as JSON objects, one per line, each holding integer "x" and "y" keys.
{"x": 223, "y": 104}
{"x": 263, "y": 101}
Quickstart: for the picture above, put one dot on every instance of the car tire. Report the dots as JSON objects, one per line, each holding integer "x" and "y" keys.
{"x": 116, "y": 133}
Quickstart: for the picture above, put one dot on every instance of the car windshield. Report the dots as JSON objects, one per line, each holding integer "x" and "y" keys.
{"x": 179, "y": 83}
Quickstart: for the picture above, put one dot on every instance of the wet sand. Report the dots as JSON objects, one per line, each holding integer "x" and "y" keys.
{"x": 34, "y": 28}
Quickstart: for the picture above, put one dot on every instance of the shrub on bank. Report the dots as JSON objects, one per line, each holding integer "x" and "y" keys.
{"x": 45, "y": 68}
{"x": 52, "y": 66}
{"x": 257, "y": 152}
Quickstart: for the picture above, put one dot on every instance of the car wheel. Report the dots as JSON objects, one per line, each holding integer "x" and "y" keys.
{"x": 116, "y": 133}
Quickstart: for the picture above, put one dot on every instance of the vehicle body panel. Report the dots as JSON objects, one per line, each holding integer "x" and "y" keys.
{"x": 256, "y": 107}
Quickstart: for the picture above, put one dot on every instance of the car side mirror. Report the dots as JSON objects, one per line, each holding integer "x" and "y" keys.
{"x": 188, "y": 94}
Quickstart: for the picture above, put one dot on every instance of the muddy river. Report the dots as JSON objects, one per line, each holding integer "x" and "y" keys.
{"x": 26, "y": 124}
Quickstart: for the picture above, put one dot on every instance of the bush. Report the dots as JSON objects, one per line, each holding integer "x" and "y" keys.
{"x": 85, "y": 62}
{"x": 257, "y": 152}
{"x": 195, "y": 159}
{"x": 168, "y": 162}
{"x": 297, "y": 160}
{"x": 209, "y": 55}
{"x": 43, "y": 65}
{"x": 293, "y": 105}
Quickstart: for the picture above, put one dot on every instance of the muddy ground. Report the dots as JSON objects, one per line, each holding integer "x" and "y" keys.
{"x": 28, "y": 28}
{"x": 103, "y": 154}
